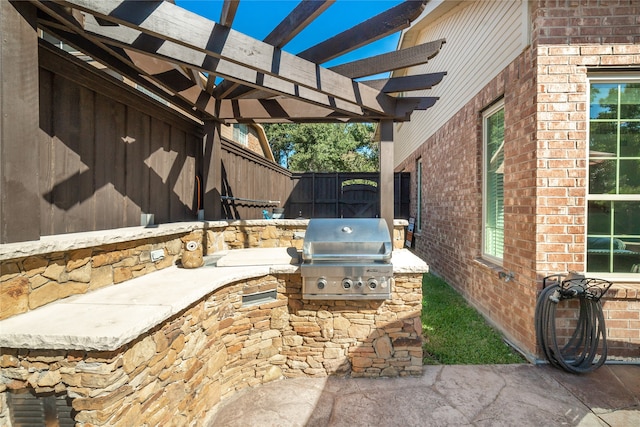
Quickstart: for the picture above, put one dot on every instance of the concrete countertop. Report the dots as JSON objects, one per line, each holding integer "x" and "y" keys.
{"x": 110, "y": 317}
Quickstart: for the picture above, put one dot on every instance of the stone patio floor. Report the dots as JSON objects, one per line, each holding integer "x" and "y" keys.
{"x": 484, "y": 395}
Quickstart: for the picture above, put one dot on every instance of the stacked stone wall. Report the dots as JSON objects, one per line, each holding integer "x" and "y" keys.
{"x": 177, "y": 372}
{"x": 237, "y": 235}
{"x": 29, "y": 282}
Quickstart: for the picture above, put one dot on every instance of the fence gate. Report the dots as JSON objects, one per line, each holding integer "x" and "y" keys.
{"x": 344, "y": 195}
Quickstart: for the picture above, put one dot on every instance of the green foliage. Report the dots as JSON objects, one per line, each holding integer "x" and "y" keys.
{"x": 324, "y": 147}
{"x": 455, "y": 333}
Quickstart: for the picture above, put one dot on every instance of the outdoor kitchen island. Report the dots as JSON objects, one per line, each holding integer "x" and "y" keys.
{"x": 166, "y": 347}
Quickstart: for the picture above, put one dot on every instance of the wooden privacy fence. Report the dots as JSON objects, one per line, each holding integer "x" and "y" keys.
{"x": 109, "y": 155}
{"x": 344, "y": 195}
{"x": 251, "y": 183}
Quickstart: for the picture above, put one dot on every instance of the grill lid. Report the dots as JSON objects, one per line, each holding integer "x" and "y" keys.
{"x": 347, "y": 239}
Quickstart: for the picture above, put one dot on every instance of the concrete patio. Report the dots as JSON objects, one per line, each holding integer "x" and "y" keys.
{"x": 486, "y": 395}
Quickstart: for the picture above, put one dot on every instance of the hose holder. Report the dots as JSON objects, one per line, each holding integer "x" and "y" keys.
{"x": 586, "y": 349}
{"x": 577, "y": 287}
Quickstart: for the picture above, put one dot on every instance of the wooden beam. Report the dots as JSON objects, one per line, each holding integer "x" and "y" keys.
{"x": 226, "y": 69}
{"x": 388, "y": 22}
{"x": 166, "y": 23}
{"x": 407, "y": 105}
{"x": 114, "y": 58}
{"x": 212, "y": 171}
{"x": 386, "y": 173}
{"x": 296, "y": 21}
{"x": 20, "y": 141}
{"x": 406, "y": 83}
{"x": 303, "y": 14}
{"x": 260, "y": 109}
{"x": 228, "y": 12}
{"x": 289, "y": 109}
{"x": 396, "y": 60}
{"x": 211, "y": 84}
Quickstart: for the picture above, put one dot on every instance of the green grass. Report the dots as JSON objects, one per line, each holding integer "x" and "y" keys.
{"x": 455, "y": 333}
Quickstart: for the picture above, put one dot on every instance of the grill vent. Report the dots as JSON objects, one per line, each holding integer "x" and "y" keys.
{"x": 28, "y": 410}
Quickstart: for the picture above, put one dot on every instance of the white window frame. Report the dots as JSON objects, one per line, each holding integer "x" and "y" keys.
{"x": 485, "y": 115}
{"x": 614, "y": 78}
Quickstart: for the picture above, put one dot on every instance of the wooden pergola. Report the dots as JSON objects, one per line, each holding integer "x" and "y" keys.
{"x": 179, "y": 56}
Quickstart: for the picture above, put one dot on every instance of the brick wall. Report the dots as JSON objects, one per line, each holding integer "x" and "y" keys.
{"x": 573, "y": 38}
{"x": 450, "y": 241}
{"x": 545, "y": 95}
{"x": 582, "y": 22}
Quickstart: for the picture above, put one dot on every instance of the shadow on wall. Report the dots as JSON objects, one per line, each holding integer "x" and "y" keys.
{"x": 105, "y": 160}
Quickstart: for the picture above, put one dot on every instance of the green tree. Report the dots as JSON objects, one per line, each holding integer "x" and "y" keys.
{"x": 324, "y": 147}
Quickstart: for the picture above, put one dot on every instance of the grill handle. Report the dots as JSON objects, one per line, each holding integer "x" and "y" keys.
{"x": 349, "y": 257}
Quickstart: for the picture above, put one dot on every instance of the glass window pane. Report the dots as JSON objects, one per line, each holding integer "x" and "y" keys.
{"x": 613, "y": 226}
{"x": 626, "y": 218}
{"x": 602, "y": 139}
{"x": 604, "y": 101}
{"x": 598, "y": 254}
{"x": 625, "y": 261}
{"x": 630, "y": 139}
{"x": 602, "y": 176}
{"x": 629, "y": 176}
{"x": 599, "y": 217}
{"x": 630, "y": 101}
{"x": 494, "y": 184}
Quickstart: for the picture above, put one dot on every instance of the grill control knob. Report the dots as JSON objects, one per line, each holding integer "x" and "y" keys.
{"x": 322, "y": 282}
{"x": 347, "y": 283}
{"x": 372, "y": 283}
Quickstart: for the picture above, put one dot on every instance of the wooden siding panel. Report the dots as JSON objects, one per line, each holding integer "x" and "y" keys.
{"x": 176, "y": 203}
{"x": 486, "y": 34}
{"x": 136, "y": 143}
{"x": 104, "y": 162}
{"x": 109, "y": 164}
{"x": 131, "y": 156}
{"x": 159, "y": 163}
{"x": 72, "y": 158}
{"x": 192, "y": 149}
{"x": 83, "y": 212}
{"x": 45, "y": 180}
{"x": 19, "y": 198}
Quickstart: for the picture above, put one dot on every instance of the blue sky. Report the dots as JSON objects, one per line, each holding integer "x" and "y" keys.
{"x": 257, "y": 18}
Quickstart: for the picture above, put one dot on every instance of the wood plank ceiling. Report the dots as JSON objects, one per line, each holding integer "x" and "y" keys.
{"x": 179, "y": 56}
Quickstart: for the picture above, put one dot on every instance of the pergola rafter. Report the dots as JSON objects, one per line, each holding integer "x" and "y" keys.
{"x": 147, "y": 42}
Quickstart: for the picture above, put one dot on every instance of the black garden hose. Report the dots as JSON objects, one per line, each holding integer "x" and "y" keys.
{"x": 586, "y": 350}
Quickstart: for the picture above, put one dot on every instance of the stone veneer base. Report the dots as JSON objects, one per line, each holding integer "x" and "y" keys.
{"x": 166, "y": 347}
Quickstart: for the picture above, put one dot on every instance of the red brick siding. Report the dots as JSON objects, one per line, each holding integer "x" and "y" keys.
{"x": 545, "y": 95}
{"x": 452, "y": 203}
{"x": 572, "y": 22}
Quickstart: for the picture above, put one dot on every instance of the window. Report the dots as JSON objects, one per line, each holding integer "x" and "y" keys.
{"x": 418, "y": 195}
{"x": 613, "y": 199}
{"x": 241, "y": 134}
{"x": 493, "y": 183}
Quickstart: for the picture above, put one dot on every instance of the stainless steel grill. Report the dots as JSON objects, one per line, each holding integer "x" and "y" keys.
{"x": 347, "y": 259}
